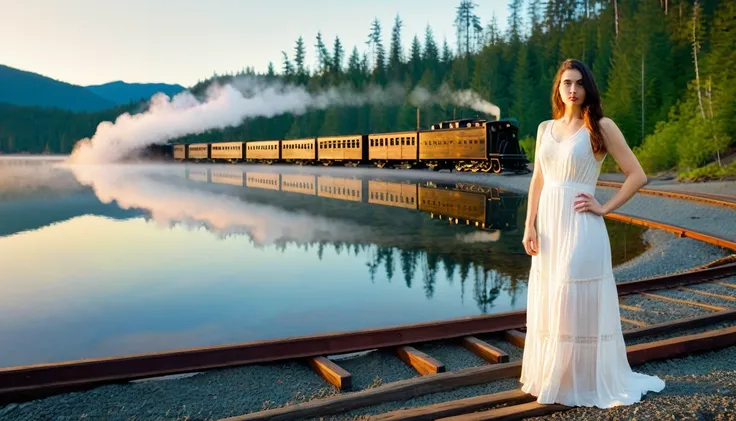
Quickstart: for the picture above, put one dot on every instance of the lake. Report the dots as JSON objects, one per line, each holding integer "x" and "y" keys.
{"x": 121, "y": 259}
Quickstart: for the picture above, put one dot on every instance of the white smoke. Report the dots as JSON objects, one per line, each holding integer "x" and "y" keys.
{"x": 229, "y": 105}
{"x": 466, "y": 98}
{"x": 147, "y": 188}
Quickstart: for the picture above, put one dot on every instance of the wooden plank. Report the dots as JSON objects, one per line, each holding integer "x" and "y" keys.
{"x": 686, "y": 302}
{"x": 461, "y": 406}
{"x": 681, "y": 345}
{"x": 726, "y": 284}
{"x": 709, "y": 294}
{"x": 331, "y": 372}
{"x": 516, "y": 412}
{"x": 423, "y": 363}
{"x": 485, "y": 350}
{"x": 515, "y": 338}
{"x": 401, "y": 390}
{"x": 681, "y": 324}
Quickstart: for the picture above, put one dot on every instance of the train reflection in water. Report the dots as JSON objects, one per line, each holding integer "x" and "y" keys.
{"x": 485, "y": 208}
{"x": 467, "y": 244}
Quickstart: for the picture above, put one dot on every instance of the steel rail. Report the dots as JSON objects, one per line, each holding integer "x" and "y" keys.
{"x": 710, "y": 198}
{"x": 33, "y": 381}
{"x": 680, "y": 231}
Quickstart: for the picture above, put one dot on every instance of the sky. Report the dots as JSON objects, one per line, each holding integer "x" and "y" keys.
{"x": 88, "y": 42}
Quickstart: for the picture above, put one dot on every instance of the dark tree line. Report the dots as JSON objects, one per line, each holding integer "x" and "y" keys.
{"x": 664, "y": 67}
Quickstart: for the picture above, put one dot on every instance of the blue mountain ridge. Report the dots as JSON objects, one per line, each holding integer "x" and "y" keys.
{"x": 24, "y": 88}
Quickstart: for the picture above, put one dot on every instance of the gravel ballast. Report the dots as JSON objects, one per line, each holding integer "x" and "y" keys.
{"x": 667, "y": 254}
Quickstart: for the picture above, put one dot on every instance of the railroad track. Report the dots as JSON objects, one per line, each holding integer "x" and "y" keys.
{"x": 703, "y": 285}
{"x": 713, "y": 199}
{"x": 24, "y": 383}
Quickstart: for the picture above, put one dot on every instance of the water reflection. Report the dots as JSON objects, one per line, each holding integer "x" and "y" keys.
{"x": 171, "y": 256}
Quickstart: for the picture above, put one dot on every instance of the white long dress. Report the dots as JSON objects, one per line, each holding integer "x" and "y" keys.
{"x": 575, "y": 353}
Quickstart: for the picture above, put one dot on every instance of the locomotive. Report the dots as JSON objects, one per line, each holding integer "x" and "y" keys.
{"x": 464, "y": 145}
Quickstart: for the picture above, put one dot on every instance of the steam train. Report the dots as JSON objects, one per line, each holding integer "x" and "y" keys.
{"x": 486, "y": 208}
{"x": 464, "y": 145}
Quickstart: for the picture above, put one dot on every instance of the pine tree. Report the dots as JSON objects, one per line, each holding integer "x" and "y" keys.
{"x": 515, "y": 21}
{"x": 288, "y": 68}
{"x": 299, "y": 55}
{"x": 324, "y": 60}
{"x": 415, "y": 60}
{"x": 338, "y": 57}
{"x": 395, "y": 58}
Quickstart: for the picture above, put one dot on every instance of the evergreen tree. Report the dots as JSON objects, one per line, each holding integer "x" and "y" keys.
{"x": 324, "y": 60}
{"x": 395, "y": 57}
{"x": 338, "y": 55}
{"x": 299, "y": 55}
{"x": 415, "y": 60}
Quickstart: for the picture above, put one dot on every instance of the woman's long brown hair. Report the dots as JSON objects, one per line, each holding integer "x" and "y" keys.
{"x": 592, "y": 109}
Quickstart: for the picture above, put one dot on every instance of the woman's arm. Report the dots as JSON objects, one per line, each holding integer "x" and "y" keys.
{"x": 535, "y": 189}
{"x": 635, "y": 177}
{"x": 623, "y": 155}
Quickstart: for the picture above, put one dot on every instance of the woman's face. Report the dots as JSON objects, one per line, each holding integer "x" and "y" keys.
{"x": 571, "y": 88}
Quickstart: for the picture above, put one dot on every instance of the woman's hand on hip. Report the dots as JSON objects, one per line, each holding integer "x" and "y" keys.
{"x": 586, "y": 202}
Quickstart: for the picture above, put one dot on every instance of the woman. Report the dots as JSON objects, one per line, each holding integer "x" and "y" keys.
{"x": 575, "y": 354}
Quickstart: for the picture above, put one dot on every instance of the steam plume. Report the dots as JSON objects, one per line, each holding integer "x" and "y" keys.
{"x": 228, "y": 105}
{"x": 168, "y": 203}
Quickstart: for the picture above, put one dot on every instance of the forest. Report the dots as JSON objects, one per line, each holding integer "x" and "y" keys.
{"x": 665, "y": 69}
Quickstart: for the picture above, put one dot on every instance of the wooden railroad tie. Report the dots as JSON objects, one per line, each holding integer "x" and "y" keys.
{"x": 515, "y": 338}
{"x": 423, "y": 385}
{"x": 516, "y": 412}
{"x": 680, "y": 301}
{"x": 331, "y": 372}
{"x": 462, "y": 406}
{"x": 633, "y": 322}
{"x": 485, "y": 350}
{"x": 423, "y": 363}
{"x": 709, "y": 294}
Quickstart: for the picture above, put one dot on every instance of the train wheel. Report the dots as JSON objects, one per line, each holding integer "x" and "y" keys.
{"x": 496, "y": 166}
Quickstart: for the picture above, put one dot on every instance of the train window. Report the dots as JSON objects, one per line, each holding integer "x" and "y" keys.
{"x": 344, "y": 144}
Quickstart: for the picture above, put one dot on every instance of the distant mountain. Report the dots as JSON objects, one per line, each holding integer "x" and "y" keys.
{"x": 123, "y": 93}
{"x": 20, "y": 87}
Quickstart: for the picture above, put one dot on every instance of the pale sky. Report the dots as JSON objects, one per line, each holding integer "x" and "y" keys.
{"x": 89, "y": 42}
